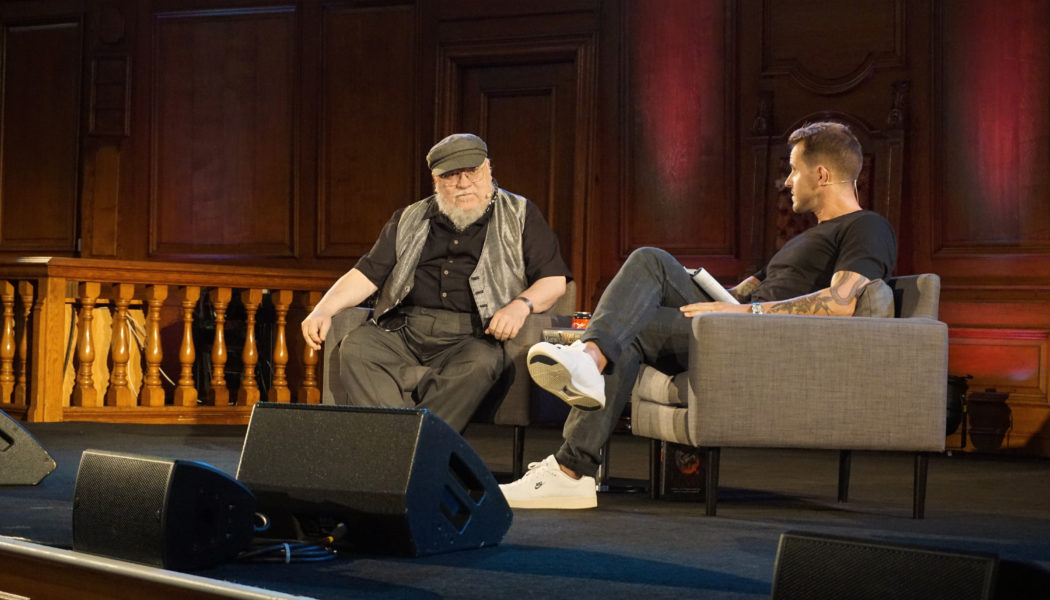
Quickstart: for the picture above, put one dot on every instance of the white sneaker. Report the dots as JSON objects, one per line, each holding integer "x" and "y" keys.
{"x": 569, "y": 373}
{"x": 545, "y": 485}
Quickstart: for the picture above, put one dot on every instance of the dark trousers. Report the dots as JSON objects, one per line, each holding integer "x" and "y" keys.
{"x": 636, "y": 321}
{"x": 439, "y": 360}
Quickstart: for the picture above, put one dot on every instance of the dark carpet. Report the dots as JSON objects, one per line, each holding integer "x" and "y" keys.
{"x": 630, "y": 546}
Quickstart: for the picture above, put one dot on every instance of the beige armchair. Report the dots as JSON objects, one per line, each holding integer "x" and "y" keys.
{"x": 788, "y": 381}
{"x": 510, "y": 402}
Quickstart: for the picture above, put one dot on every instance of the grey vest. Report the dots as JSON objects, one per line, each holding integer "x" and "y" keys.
{"x": 500, "y": 273}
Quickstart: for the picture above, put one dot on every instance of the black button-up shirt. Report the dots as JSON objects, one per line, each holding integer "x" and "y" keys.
{"x": 442, "y": 278}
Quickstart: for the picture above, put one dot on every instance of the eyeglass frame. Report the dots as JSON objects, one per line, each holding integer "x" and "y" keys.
{"x": 451, "y": 178}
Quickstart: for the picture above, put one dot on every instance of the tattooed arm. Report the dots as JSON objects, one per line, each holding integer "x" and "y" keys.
{"x": 837, "y": 300}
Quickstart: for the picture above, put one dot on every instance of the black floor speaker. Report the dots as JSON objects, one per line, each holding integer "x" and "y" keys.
{"x": 401, "y": 480}
{"x": 23, "y": 461}
{"x": 818, "y": 567}
{"x": 176, "y": 514}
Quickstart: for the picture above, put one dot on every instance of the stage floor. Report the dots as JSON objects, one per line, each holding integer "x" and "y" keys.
{"x": 630, "y": 546}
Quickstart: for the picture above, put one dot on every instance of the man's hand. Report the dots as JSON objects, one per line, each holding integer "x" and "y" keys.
{"x": 691, "y": 310}
{"x": 315, "y": 328}
{"x": 508, "y": 320}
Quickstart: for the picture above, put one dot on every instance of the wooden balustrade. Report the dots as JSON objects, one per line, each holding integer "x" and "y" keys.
{"x": 102, "y": 325}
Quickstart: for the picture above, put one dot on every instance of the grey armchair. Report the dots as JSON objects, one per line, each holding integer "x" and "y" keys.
{"x": 510, "y": 400}
{"x": 788, "y": 381}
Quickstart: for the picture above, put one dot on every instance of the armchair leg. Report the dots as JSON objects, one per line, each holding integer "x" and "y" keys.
{"x": 654, "y": 468}
{"x": 601, "y": 478}
{"x": 845, "y": 458}
{"x": 918, "y": 508}
{"x": 518, "y": 453}
{"x": 711, "y": 479}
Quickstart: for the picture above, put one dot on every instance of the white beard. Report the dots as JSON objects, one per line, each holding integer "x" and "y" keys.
{"x": 461, "y": 217}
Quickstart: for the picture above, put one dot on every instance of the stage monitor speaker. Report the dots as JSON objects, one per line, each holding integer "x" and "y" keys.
{"x": 401, "y": 480}
{"x": 23, "y": 461}
{"x": 819, "y": 567}
{"x": 175, "y": 514}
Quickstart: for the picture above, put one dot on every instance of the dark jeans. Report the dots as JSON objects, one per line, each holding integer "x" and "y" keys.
{"x": 636, "y": 321}
{"x": 439, "y": 360}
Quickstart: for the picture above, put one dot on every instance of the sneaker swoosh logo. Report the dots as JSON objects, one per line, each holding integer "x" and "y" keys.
{"x": 539, "y": 484}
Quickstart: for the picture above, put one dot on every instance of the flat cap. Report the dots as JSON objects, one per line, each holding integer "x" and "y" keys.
{"x": 457, "y": 151}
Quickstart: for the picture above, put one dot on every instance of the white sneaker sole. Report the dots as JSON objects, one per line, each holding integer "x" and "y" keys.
{"x": 552, "y": 376}
{"x": 567, "y": 503}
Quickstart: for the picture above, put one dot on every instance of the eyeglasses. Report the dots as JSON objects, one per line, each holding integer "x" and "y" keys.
{"x": 451, "y": 178}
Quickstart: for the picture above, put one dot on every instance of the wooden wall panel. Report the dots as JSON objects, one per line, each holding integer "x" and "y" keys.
{"x": 532, "y": 103}
{"x": 679, "y": 131}
{"x": 1013, "y": 363}
{"x": 223, "y": 134}
{"x": 39, "y": 135}
{"x": 370, "y": 155}
{"x": 991, "y": 142}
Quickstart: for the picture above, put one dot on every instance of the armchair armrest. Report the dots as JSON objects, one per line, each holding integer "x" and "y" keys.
{"x": 817, "y": 382}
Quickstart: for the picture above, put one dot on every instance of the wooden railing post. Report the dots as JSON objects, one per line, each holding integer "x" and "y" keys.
{"x": 152, "y": 389}
{"x": 186, "y": 390}
{"x": 25, "y": 292}
{"x": 84, "y": 393}
{"x": 219, "y": 394}
{"x": 309, "y": 392}
{"x": 119, "y": 393}
{"x": 7, "y": 342}
{"x": 279, "y": 392}
{"x": 248, "y": 394}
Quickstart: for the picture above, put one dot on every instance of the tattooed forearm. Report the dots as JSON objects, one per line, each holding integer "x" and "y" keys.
{"x": 837, "y": 300}
{"x": 818, "y": 303}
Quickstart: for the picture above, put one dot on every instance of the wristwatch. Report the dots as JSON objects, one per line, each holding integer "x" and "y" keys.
{"x": 756, "y": 309}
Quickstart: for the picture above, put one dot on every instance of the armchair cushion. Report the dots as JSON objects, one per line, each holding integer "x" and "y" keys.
{"x": 876, "y": 300}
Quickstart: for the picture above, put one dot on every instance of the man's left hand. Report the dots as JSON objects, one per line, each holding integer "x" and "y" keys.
{"x": 691, "y": 310}
{"x": 508, "y": 320}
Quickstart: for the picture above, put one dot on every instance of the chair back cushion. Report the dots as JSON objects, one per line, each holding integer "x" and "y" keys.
{"x": 916, "y": 295}
{"x": 876, "y": 300}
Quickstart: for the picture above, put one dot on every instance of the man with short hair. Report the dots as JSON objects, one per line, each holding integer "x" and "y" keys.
{"x": 645, "y": 313}
{"x": 457, "y": 274}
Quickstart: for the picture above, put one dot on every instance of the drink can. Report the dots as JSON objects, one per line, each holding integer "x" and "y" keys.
{"x": 580, "y": 320}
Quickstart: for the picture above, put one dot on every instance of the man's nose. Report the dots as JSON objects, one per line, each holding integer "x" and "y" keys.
{"x": 463, "y": 180}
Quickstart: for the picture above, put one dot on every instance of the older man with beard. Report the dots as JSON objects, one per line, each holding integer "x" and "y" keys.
{"x": 457, "y": 274}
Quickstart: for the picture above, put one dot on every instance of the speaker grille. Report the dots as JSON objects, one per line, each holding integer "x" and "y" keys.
{"x": 119, "y": 505}
{"x": 814, "y": 567}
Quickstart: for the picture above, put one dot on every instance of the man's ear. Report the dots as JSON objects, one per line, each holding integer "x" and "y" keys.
{"x": 822, "y": 175}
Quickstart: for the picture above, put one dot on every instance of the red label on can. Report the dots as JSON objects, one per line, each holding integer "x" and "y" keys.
{"x": 580, "y": 320}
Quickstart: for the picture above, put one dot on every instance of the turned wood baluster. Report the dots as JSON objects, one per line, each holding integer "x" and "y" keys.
{"x": 152, "y": 389}
{"x": 7, "y": 342}
{"x": 249, "y": 394}
{"x": 309, "y": 392}
{"x": 186, "y": 391}
{"x": 279, "y": 391}
{"x": 219, "y": 394}
{"x": 84, "y": 393}
{"x": 119, "y": 393}
{"x": 25, "y": 291}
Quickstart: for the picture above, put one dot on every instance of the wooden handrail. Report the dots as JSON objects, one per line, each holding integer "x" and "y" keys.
{"x": 45, "y": 297}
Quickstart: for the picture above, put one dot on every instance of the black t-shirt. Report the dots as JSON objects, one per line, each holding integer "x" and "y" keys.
{"x": 860, "y": 241}
{"x": 442, "y": 278}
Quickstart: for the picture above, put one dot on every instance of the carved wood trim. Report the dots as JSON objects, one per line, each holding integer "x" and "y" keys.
{"x": 826, "y": 86}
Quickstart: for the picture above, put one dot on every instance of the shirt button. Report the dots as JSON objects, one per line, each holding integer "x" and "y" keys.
{"x": 444, "y": 294}
{"x": 455, "y": 242}
{"x": 445, "y": 271}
